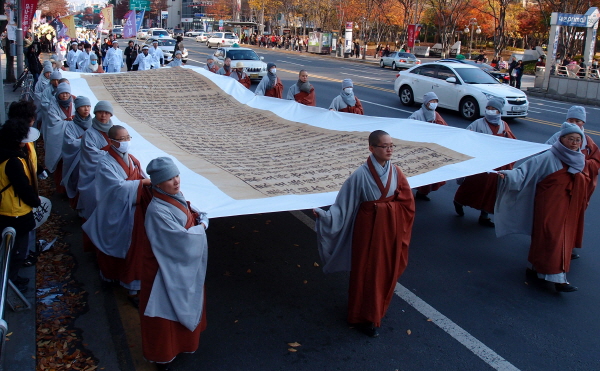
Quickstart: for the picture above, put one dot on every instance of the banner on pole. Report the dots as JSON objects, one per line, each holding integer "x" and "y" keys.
{"x": 139, "y": 17}
{"x": 69, "y": 24}
{"x": 27, "y": 13}
{"x": 129, "y": 30}
{"x": 107, "y": 16}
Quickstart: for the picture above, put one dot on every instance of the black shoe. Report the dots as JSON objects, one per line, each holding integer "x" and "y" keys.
{"x": 531, "y": 274}
{"x": 367, "y": 328}
{"x": 135, "y": 301}
{"x": 163, "y": 366}
{"x": 574, "y": 256}
{"x": 422, "y": 196}
{"x": 21, "y": 281}
{"x": 459, "y": 209}
{"x": 565, "y": 287}
{"x": 486, "y": 222}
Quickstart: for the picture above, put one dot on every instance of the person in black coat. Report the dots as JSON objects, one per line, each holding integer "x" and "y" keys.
{"x": 19, "y": 194}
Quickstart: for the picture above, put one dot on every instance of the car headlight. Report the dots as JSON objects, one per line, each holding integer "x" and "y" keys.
{"x": 490, "y": 96}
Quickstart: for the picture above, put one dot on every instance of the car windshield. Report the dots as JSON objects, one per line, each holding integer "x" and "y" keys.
{"x": 217, "y": 35}
{"x": 406, "y": 55}
{"x": 475, "y": 76}
{"x": 245, "y": 55}
{"x": 160, "y": 33}
{"x": 230, "y": 36}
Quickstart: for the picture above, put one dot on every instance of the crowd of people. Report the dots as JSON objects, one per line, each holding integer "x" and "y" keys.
{"x": 156, "y": 245}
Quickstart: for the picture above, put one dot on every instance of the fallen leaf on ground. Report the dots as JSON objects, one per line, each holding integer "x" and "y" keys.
{"x": 292, "y": 350}
{"x": 408, "y": 332}
{"x": 294, "y": 344}
{"x": 315, "y": 264}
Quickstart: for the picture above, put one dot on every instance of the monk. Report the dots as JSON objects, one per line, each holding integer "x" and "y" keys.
{"x": 347, "y": 101}
{"x": 576, "y": 115}
{"x": 479, "y": 191}
{"x": 367, "y": 231}
{"x": 240, "y": 75}
{"x": 116, "y": 227}
{"x": 270, "y": 85}
{"x": 172, "y": 305}
{"x": 60, "y": 111}
{"x": 210, "y": 65}
{"x": 545, "y": 198}
{"x": 302, "y": 92}
{"x": 428, "y": 113}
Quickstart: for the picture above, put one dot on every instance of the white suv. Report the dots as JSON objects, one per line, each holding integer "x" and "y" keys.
{"x": 219, "y": 39}
{"x": 253, "y": 64}
{"x": 460, "y": 87}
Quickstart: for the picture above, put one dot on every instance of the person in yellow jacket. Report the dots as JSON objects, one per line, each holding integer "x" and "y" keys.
{"x": 18, "y": 195}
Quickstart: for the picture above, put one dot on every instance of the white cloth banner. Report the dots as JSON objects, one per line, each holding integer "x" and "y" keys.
{"x": 488, "y": 151}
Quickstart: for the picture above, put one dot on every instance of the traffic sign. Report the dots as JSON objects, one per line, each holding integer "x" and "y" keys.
{"x": 220, "y": 23}
{"x": 139, "y": 5}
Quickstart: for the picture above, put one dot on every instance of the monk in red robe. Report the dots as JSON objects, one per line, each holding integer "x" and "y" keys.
{"x": 302, "y": 91}
{"x": 270, "y": 85}
{"x": 347, "y": 101}
{"x": 241, "y": 76}
{"x": 367, "y": 231}
{"x": 479, "y": 191}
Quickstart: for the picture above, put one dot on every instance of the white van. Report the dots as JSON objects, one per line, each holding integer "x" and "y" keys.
{"x": 157, "y": 33}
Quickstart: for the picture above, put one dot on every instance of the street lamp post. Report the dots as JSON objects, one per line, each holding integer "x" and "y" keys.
{"x": 472, "y": 22}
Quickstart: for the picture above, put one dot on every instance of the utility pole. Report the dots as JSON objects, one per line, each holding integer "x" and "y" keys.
{"x": 19, "y": 38}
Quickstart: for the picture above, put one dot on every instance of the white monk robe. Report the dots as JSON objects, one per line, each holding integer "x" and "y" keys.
{"x": 83, "y": 59}
{"x": 111, "y": 224}
{"x": 72, "y": 57}
{"x": 113, "y": 62}
{"x": 54, "y": 133}
{"x": 92, "y": 143}
{"x": 71, "y": 150}
{"x": 144, "y": 62}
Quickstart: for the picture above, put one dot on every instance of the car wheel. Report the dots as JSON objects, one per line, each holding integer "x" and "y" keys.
{"x": 469, "y": 108}
{"x": 208, "y": 44}
{"x": 407, "y": 97}
{"x": 394, "y": 66}
{"x": 381, "y": 64}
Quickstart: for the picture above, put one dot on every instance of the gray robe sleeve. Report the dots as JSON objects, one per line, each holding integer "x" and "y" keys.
{"x": 178, "y": 290}
{"x": 417, "y": 115}
{"x": 293, "y": 90}
{"x": 115, "y": 199}
{"x": 54, "y": 134}
{"x": 337, "y": 103}
{"x": 513, "y": 212}
{"x": 91, "y": 152}
{"x": 261, "y": 88}
{"x": 70, "y": 153}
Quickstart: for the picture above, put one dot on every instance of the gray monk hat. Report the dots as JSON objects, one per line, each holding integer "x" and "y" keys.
{"x": 105, "y": 106}
{"x": 428, "y": 97}
{"x": 63, "y": 87}
{"x": 347, "y": 83}
{"x": 497, "y": 103}
{"x": 576, "y": 112}
{"x": 161, "y": 169}
{"x": 570, "y": 129}
{"x": 56, "y": 75}
{"x": 82, "y": 101}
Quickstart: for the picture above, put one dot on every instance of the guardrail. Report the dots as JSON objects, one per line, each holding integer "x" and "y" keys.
{"x": 8, "y": 239}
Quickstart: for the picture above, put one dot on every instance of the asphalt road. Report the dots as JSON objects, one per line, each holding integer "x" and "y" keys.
{"x": 463, "y": 303}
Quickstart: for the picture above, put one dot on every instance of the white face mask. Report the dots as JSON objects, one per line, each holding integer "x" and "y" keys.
{"x": 273, "y": 71}
{"x": 433, "y": 106}
{"x": 348, "y": 90}
{"x": 123, "y": 147}
{"x": 491, "y": 112}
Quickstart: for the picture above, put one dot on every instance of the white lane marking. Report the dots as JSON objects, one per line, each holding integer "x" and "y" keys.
{"x": 458, "y": 333}
{"x": 382, "y": 105}
{"x": 555, "y": 102}
{"x": 477, "y": 347}
{"x": 365, "y": 77}
{"x": 366, "y": 70}
{"x": 284, "y": 61}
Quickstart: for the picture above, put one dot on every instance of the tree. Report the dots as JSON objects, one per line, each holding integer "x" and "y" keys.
{"x": 220, "y": 9}
{"x": 53, "y": 8}
{"x": 121, "y": 9}
{"x": 446, "y": 14}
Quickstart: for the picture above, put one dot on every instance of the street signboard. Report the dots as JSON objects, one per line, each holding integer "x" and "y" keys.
{"x": 139, "y": 5}
{"x": 220, "y": 23}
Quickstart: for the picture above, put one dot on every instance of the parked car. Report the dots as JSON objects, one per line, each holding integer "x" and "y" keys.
{"x": 178, "y": 32}
{"x": 202, "y": 37}
{"x": 193, "y": 33}
{"x": 254, "y": 65}
{"x": 398, "y": 60}
{"x": 167, "y": 45}
{"x": 460, "y": 87}
{"x": 219, "y": 39}
{"x": 495, "y": 72}
{"x": 142, "y": 34}
{"x": 118, "y": 32}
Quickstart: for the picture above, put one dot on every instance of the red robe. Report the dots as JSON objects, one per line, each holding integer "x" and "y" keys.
{"x": 479, "y": 191}
{"x": 592, "y": 164}
{"x": 163, "y": 339}
{"x": 128, "y": 269}
{"x": 244, "y": 79}
{"x": 559, "y": 209}
{"x": 380, "y": 239}
{"x": 276, "y": 91}
{"x": 357, "y": 108}
{"x": 426, "y": 189}
{"x": 308, "y": 99}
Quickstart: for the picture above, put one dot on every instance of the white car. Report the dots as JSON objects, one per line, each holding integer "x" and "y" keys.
{"x": 142, "y": 34}
{"x": 192, "y": 33}
{"x": 460, "y": 87}
{"x": 202, "y": 37}
{"x": 253, "y": 64}
{"x": 398, "y": 60}
{"x": 219, "y": 39}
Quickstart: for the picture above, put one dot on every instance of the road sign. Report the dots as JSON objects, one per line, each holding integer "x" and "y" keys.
{"x": 139, "y": 5}
{"x": 220, "y": 23}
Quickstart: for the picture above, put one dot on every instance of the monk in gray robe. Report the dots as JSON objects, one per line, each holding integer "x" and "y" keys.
{"x": 71, "y": 146}
{"x": 122, "y": 192}
{"x": 302, "y": 91}
{"x": 347, "y": 101}
{"x": 172, "y": 313}
{"x": 270, "y": 85}
{"x": 367, "y": 231}
{"x": 60, "y": 111}
{"x": 545, "y": 198}
{"x": 428, "y": 113}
